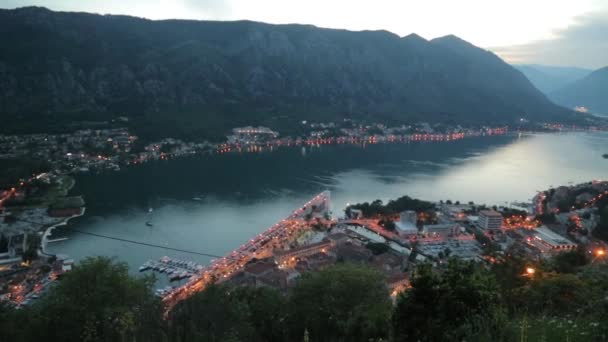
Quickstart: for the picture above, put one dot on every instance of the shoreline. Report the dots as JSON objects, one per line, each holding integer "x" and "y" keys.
{"x": 49, "y": 230}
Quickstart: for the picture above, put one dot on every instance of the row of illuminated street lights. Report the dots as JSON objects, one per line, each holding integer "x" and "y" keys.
{"x": 228, "y": 265}
{"x": 263, "y": 244}
{"x": 8, "y": 194}
{"x": 229, "y": 147}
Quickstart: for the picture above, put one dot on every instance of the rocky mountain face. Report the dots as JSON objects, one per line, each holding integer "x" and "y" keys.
{"x": 590, "y": 92}
{"x": 198, "y": 78}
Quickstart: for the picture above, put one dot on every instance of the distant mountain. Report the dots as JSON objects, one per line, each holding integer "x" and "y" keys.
{"x": 590, "y": 92}
{"x": 551, "y": 78}
{"x": 199, "y": 78}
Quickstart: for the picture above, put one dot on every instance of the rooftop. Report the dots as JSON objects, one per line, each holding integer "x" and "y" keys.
{"x": 490, "y": 213}
{"x": 259, "y": 268}
{"x": 551, "y": 237}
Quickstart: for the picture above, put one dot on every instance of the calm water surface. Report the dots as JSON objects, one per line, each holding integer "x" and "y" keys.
{"x": 242, "y": 194}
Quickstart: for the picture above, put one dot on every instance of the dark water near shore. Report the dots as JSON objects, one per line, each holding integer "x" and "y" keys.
{"x": 242, "y": 194}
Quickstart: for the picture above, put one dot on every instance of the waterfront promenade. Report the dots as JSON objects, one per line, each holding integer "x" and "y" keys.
{"x": 278, "y": 236}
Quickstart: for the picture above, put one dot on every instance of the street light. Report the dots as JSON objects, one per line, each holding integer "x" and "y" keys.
{"x": 530, "y": 271}
{"x": 600, "y": 253}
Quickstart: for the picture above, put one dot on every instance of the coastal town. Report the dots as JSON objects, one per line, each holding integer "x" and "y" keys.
{"x": 395, "y": 237}
{"x": 36, "y": 198}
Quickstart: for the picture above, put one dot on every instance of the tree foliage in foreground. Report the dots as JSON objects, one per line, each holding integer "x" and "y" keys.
{"x": 97, "y": 301}
{"x": 460, "y": 303}
{"x": 221, "y": 313}
{"x": 342, "y": 303}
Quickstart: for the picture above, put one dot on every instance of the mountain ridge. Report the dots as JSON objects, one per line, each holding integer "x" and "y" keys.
{"x": 199, "y": 78}
{"x": 589, "y": 92}
{"x": 551, "y": 78}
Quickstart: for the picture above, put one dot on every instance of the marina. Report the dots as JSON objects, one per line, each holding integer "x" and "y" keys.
{"x": 175, "y": 269}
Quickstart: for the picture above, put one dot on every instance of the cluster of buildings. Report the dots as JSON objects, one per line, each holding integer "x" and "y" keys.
{"x": 251, "y": 135}
{"x": 94, "y": 149}
{"x": 515, "y": 232}
{"x": 27, "y": 214}
{"x": 169, "y": 148}
{"x": 81, "y": 150}
{"x": 324, "y": 248}
{"x": 352, "y": 128}
{"x": 23, "y": 283}
{"x": 446, "y": 238}
{"x": 458, "y": 230}
{"x": 256, "y": 139}
{"x": 473, "y": 232}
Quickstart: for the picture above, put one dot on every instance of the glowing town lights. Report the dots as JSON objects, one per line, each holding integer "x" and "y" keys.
{"x": 530, "y": 271}
{"x": 600, "y": 252}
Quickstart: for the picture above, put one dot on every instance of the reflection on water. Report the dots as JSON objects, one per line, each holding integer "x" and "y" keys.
{"x": 240, "y": 195}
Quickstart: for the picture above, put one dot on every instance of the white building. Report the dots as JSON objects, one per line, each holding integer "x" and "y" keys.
{"x": 407, "y": 223}
{"x": 251, "y": 135}
{"x": 552, "y": 239}
{"x": 489, "y": 220}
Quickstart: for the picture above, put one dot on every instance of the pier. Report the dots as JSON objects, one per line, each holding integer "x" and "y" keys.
{"x": 277, "y": 236}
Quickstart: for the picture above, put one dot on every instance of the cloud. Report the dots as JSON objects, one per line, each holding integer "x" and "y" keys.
{"x": 211, "y": 8}
{"x": 585, "y": 44}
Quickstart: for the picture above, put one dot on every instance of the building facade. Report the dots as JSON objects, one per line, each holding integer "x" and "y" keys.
{"x": 489, "y": 220}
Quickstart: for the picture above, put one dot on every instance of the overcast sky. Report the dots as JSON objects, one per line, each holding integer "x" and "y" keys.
{"x": 552, "y": 32}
